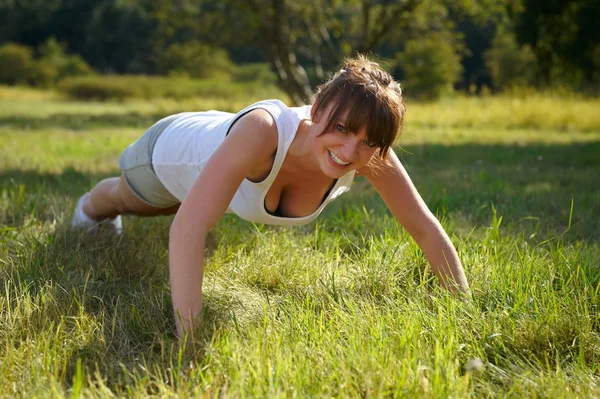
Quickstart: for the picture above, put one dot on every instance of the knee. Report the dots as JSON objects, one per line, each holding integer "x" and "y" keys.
{"x": 119, "y": 200}
{"x": 170, "y": 210}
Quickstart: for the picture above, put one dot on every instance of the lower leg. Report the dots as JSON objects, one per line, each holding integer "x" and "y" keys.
{"x": 112, "y": 197}
{"x": 103, "y": 202}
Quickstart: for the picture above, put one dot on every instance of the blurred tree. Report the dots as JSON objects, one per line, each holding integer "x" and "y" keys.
{"x": 196, "y": 60}
{"x": 306, "y": 39}
{"x": 112, "y": 35}
{"x": 117, "y": 36}
{"x": 563, "y": 35}
{"x": 431, "y": 65}
{"x": 508, "y": 63}
{"x": 477, "y": 38}
{"x": 53, "y": 56}
{"x": 27, "y": 21}
{"x": 18, "y": 66}
{"x": 303, "y": 40}
{"x": 16, "y": 62}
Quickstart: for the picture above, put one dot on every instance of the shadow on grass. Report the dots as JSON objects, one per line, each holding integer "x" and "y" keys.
{"x": 543, "y": 189}
{"x": 531, "y": 186}
{"x": 43, "y": 196}
{"x": 120, "y": 282}
{"x": 69, "y": 182}
{"x": 111, "y": 297}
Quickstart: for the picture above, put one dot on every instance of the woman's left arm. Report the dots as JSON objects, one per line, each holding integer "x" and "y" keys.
{"x": 401, "y": 197}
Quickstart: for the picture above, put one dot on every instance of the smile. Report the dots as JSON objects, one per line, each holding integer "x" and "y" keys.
{"x": 336, "y": 159}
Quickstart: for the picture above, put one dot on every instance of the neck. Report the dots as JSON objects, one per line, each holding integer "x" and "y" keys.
{"x": 302, "y": 148}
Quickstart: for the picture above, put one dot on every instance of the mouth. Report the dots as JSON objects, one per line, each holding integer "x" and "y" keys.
{"x": 337, "y": 160}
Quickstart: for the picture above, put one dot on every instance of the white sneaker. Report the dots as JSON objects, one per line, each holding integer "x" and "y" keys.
{"x": 84, "y": 222}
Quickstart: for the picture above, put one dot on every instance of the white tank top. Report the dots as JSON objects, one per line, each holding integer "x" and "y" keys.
{"x": 188, "y": 142}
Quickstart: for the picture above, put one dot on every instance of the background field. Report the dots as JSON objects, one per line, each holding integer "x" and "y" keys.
{"x": 343, "y": 307}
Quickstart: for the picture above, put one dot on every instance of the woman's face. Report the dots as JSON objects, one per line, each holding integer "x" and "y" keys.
{"x": 339, "y": 151}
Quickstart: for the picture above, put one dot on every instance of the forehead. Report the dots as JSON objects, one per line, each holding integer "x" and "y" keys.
{"x": 355, "y": 116}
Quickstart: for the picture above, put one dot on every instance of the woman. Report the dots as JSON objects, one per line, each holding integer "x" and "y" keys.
{"x": 268, "y": 164}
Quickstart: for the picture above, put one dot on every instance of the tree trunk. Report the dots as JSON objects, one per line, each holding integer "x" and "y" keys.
{"x": 276, "y": 32}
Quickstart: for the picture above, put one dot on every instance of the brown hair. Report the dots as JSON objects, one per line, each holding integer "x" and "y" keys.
{"x": 372, "y": 97}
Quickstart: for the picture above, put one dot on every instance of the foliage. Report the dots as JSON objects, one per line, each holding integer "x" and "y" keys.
{"x": 196, "y": 60}
{"x": 509, "y": 64}
{"x": 259, "y": 73}
{"x": 16, "y": 62}
{"x": 303, "y": 40}
{"x": 99, "y": 88}
{"x": 431, "y": 65}
{"x": 18, "y": 65}
{"x": 595, "y": 58}
{"x": 562, "y": 34}
{"x": 53, "y": 55}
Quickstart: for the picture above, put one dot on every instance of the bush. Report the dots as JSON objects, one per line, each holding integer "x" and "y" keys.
{"x": 118, "y": 87}
{"x": 196, "y": 60}
{"x": 16, "y": 64}
{"x": 96, "y": 88}
{"x": 54, "y": 56}
{"x": 75, "y": 65}
{"x": 430, "y": 65}
{"x": 41, "y": 74}
{"x": 509, "y": 64}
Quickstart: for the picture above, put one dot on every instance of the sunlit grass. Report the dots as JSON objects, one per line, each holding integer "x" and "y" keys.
{"x": 343, "y": 307}
{"x": 27, "y": 93}
{"x": 53, "y": 150}
{"x": 39, "y": 105}
{"x": 567, "y": 113}
{"x": 541, "y": 111}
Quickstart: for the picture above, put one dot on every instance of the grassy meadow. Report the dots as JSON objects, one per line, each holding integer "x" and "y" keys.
{"x": 343, "y": 307}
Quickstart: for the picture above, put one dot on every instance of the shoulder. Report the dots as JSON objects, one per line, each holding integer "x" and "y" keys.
{"x": 256, "y": 129}
{"x": 278, "y": 111}
{"x": 265, "y": 121}
{"x": 259, "y": 118}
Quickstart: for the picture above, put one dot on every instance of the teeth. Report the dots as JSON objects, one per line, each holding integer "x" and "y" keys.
{"x": 337, "y": 160}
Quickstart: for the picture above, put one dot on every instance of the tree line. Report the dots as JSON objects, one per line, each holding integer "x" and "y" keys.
{"x": 432, "y": 46}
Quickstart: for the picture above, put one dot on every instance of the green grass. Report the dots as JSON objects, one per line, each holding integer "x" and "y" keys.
{"x": 343, "y": 307}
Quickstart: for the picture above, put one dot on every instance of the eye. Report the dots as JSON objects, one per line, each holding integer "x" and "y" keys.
{"x": 370, "y": 143}
{"x": 340, "y": 128}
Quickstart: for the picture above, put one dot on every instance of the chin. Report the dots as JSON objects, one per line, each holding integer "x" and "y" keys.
{"x": 334, "y": 172}
{"x": 335, "y": 175}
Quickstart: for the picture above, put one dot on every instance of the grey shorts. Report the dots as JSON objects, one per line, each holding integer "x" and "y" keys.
{"x": 136, "y": 165}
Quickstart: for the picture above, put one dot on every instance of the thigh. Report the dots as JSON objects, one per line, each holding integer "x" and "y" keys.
{"x": 137, "y": 170}
{"x": 131, "y": 204}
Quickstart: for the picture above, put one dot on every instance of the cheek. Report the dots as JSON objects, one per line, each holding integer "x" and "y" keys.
{"x": 325, "y": 140}
{"x": 320, "y": 145}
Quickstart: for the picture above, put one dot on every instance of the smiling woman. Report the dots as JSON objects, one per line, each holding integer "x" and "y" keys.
{"x": 268, "y": 163}
{"x": 362, "y": 95}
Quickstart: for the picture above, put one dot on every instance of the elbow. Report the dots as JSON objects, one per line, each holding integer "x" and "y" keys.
{"x": 185, "y": 229}
{"x": 176, "y": 226}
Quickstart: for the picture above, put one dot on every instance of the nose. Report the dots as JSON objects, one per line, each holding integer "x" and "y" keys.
{"x": 350, "y": 148}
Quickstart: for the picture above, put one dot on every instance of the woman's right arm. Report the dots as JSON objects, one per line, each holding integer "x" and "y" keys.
{"x": 249, "y": 145}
